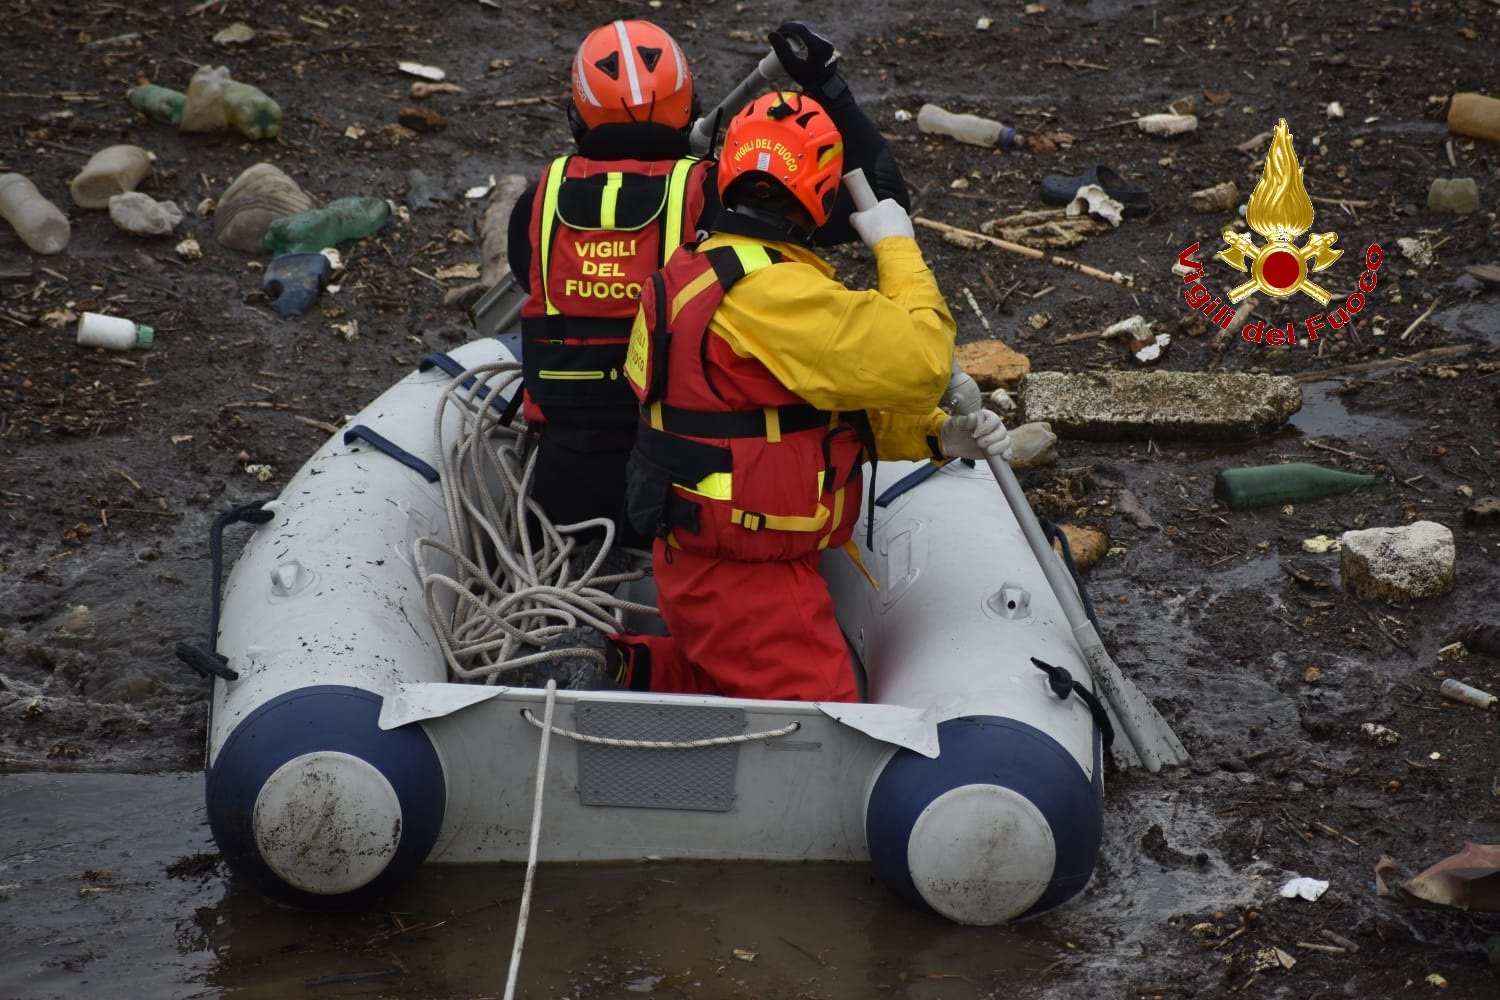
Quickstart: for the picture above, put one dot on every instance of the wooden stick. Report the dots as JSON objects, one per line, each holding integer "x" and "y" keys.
{"x": 1418, "y": 321}
{"x": 1432, "y": 354}
{"x": 1025, "y": 251}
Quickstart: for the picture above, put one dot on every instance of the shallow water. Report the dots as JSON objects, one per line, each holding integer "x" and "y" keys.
{"x": 98, "y": 897}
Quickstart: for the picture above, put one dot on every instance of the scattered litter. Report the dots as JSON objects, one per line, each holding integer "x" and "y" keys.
{"x": 744, "y": 955}
{"x": 1468, "y": 880}
{"x": 237, "y": 33}
{"x": 1436, "y": 981}
{"x": 189, "y": 249}
{"x": 1380, "y": 735}
{"x": 482, "y": 190}
{"x": 1459, "y": 196}
{"x": 1457, "y": 690}
{"x": 457, "y": 271}
{"x": 1310, "y": 889}
{"x": 1452, "y": 651}
{"x": 1319, "y": 544}
{"x": 1335, "y": 110}
{"x": 262, "y": 473}
{"x": 425, "y": 72}
{"x": 1145, "y": 344}
{"x": 1475, "y": 115}
{"x": 983, "y": 24}
{"x": 1093, "y": 200}
{"x": 1166, "y": 125}
{"x": 143, "y": 215}
{"x": 421, "y": 89}
{"x": 902, "y": 115}
{"x": 1417, "y": 249}
{"x": 1219, "y": 198}
{"x": 972, "y": 129}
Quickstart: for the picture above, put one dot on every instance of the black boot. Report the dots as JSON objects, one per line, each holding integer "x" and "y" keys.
{"x": 579, "y": 671}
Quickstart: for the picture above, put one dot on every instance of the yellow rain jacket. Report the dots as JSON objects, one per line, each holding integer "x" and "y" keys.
{"x": 889, "y": 352}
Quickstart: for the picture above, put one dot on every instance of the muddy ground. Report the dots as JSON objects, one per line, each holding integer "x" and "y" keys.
{"x": 115, "y": 464}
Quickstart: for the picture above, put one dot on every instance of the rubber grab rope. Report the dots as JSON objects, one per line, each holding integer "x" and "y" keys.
{"x": 1062, "y": 684}
{"x": 208, "y": 661}
{"x": 912, "y": 479}
{"x": 1055, "y": 534}
{"x": 711, "y": 741}
{"x": 384, "y": 445}
{"x": 454, "y": 369}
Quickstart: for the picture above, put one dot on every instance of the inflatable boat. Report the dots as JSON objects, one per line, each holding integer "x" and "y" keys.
{"x": 343, "y": 752}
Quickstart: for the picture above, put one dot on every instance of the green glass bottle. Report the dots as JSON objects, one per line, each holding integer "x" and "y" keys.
{"x": 1293, "y": 482}
{"x": 334, "y": 223}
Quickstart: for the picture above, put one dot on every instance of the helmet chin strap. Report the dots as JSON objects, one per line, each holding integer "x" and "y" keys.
{"x": 776, "y": 220}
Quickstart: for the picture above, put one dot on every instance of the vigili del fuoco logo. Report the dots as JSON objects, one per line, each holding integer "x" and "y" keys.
{"x": 1279, "y": 211}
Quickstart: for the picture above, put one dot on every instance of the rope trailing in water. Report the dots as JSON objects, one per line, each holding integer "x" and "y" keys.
{"x": 510, "y": 579}
{"x": 709, "y": 741}
{"x": 536, "y": 832}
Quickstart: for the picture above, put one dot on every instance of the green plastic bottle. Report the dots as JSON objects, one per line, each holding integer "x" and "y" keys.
{"x": 334, "y": 223}
{"x": 161, "y": 104}
{"x": 1293, "y": 482}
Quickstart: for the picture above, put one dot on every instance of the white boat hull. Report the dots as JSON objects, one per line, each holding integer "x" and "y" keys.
{"x": 341, "y": 757}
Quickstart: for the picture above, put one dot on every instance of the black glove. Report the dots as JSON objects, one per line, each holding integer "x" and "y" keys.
{"x": 808, "y": 59}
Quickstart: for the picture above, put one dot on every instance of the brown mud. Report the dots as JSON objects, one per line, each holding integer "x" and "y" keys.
{"x": 112, "y": 466}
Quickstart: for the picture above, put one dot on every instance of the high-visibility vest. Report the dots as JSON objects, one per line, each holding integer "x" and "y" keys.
{"x": 598, "y": 229}
{"x": 728, "y": 461}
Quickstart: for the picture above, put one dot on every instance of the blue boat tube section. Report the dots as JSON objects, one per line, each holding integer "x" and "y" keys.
{"x": 313, "y": 802}
{"x": 1002, "y": 824}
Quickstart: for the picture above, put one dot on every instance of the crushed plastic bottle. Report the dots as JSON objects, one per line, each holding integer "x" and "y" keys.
{"x": 161, "y": 104}
{"x": 261, "y": 194}
{"x": 204, "y": 110}
{"x": 337, "y": 222}
{"x": 143, "y": 215}
{"x": 1475, "y": 115}
{"x": 251, "y": 112}
{"x": 40, "y": 224}
{"x": 1459, "y": 196}
{"x": 111, "y": 171}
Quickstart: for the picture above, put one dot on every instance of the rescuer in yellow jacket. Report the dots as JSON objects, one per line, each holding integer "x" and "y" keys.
{"x": 765, "y": 385}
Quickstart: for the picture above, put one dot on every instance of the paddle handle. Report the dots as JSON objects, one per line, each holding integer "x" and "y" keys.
{"x": 765, "y": 74}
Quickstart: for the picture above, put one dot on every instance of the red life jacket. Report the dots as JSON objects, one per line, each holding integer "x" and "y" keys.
{"x": 728, "y": 462}
{"x": 598, "y": 229}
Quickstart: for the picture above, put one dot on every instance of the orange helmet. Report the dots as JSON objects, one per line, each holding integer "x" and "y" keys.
{"x": 786, "y": 137}
{"x": 632, "y": 71}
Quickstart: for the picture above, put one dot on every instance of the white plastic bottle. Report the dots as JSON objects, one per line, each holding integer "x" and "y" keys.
{"x": 113, "y": 332}
{"x": 966, "y": 128}
{"x": 38, "y": 222}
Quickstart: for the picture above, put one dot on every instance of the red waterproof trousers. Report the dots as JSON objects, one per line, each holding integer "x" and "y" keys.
{"x": 747, "y": 629}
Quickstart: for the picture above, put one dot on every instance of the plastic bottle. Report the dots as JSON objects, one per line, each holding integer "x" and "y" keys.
{"x": 1293, "y": 482}
{"x": 111, "y": 171}
{"x": 1475, "y": 115}
{"x": 38, "y": 222}
{"x": 972, "y": 129}
{"x": 113, "y": 332}
{"x": 204, "y": 110}
{"x": 160, "y": 104}
{"x": 334, "y": 223}
{"x": 1459, "y": 691}
{"x": 250, "y": 111}
{"x": 293, "y": 280}
{"x": 1459, "y": 196}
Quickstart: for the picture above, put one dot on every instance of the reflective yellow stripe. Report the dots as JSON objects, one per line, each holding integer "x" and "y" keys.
{"x": 610, "y": 199}
{"x": 653, "y": 415}
{"x": 697, "y": 285}
{"x": 671, "y": 237}
{"x": 714, "y": 486}
{"x": 838, "y": 515}
{"x": 752, "y": 257}
{"x": 549, "y": 220}
{"x": 753, "y": 521}
{"x": 773, "y": 426}
{"x": 567, "y": 376}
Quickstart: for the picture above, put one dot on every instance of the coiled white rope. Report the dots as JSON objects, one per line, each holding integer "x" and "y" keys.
{"x": 515, "y": 580}
{"x": 536, "y": 832}
{"x": 611, "y": 741}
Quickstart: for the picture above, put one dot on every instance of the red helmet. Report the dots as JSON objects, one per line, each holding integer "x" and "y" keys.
{"x": 788, "y": 138}
{"x": 632, "y": 71}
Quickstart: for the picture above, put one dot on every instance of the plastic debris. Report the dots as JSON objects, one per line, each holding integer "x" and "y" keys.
{"x": 425, "y": 72}
{"x": 1319, "y": 544}
{"x": 1457, "y": 690}
{"x": 1468, "y": 880}
{"x": 1166, "y": 126}
{"x": 1302, "y": 887}
{"x": 143, "y": 215}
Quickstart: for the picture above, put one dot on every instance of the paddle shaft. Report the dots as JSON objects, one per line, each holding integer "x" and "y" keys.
{"x": 765, "y": 74}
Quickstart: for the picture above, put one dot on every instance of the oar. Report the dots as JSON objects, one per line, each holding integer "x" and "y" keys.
{"x": 701, "y": 137}
{"x": 1151, "y": 740}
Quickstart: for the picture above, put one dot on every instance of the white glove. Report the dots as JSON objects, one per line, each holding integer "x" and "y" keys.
{"x": 887, "y": 218}
{"x": 979, "y": 435}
